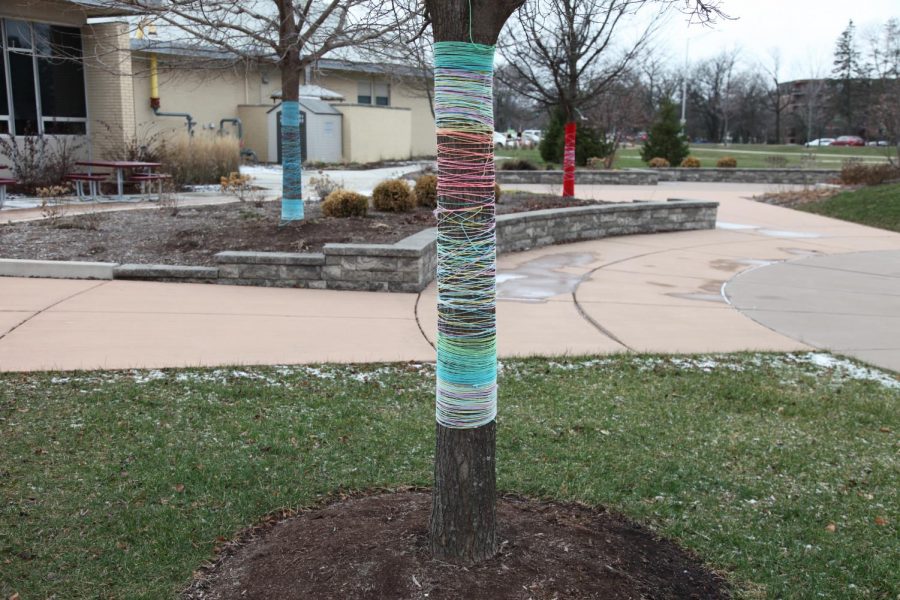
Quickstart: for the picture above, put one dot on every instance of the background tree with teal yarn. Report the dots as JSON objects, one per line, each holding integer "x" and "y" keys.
{"x": 297, "y": 32}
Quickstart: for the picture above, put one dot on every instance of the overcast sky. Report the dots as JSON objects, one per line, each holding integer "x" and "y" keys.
{"x": 805, "y": 31}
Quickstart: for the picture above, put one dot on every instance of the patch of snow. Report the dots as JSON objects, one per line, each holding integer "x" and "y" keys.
{"x": 848, "y": 370}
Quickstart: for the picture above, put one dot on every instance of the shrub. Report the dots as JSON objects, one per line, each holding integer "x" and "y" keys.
{"x": 323, "y": 185}
{"x": 518, "y": 164}
{"x": 236, "y": 184}
{"x": 40, "y": 161}
{"x": 658, "y": 163}
{"x": 690, "y": 163}
{"x": 498, "y": 192}
{"x": 426, "y": 191}
{"x": 588, "y": 141}
{"x": 344, "y": 203}
{"x": 855, "y": 172}
{"x": 776, "y": 162}
{"x": 596, "y": 162}
{"x": 666, "y": 137}
{"x": 199, "y": 159}
{"x": 393, "y": 195}
{"x": 727, "y": 162}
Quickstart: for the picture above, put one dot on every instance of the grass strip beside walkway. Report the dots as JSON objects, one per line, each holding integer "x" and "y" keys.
{"x": 876, "y": 206}
{"x": 781, "y": 470}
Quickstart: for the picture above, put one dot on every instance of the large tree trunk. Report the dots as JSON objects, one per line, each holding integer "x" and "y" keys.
{"x": 291, "y": 154}
{"x": 463, "y": 519}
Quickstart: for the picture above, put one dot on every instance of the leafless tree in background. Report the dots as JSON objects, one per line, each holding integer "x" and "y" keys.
{"x": 776, "y": 100}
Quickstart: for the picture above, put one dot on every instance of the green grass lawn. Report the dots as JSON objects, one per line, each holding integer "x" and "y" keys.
{"x": 118, "y": 484}
{"x": 877, "y": 206}
{"x": 748, "y": 155}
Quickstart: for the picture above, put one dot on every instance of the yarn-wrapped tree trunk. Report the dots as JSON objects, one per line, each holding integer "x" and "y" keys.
{"x": 463, "y": 519}
{"x": 291, "y": 152}
{"x": 569, "y": 160}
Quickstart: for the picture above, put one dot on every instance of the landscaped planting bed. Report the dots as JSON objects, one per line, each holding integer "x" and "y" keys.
{"x": 780, "y": 471}
{"x": 194, "y": 235}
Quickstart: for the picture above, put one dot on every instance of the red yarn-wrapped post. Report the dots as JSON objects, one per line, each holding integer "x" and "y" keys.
{"x": 569, "y": 162}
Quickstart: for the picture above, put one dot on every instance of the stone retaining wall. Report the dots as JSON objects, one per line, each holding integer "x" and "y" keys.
{"x": 654, "y": 176}
{"x": 582, "y": 176}
{"x": 409, "y": 265}
{"x": 406, "y": 266}
{"x": 775, "y": 176}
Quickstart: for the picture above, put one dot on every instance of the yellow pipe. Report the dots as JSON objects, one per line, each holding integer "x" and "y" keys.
{"x": 154, "y": 82}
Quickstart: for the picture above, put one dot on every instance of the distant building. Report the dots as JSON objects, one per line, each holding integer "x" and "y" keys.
{"x": 60, "y": 75}
{"x": 812, "y": 111}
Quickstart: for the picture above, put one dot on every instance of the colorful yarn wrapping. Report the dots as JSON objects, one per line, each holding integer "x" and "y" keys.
{"x": 292, "y": 175}
{"x": 569, "y": 161}
{"x": 466, "y": 242}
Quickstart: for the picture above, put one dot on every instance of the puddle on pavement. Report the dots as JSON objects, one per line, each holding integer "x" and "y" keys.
{"x": 542, "y": 278}
{"x": 777, "y": 233}
{"x": 736, "y": 264}
{"x": 801, "y": 251}
{"x": 733, "y": 226}
{"x": 711, "y": 291}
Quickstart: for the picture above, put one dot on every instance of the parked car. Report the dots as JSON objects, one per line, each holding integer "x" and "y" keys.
{"x": 878, "y": 143}
{"x": 532, "y": 135}
{"x": 849, "y": 140}
{"x": 820, "y": 142}
{"x": 500, "y": 139}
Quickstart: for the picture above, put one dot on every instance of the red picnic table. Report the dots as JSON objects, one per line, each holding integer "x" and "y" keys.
{"x": 4, "y": 181}
{"x": 120, "y": 166}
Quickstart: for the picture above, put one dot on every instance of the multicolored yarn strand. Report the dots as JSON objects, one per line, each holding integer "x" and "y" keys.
{"x": 466, "y": 243}
{"x": 292, "y": 181}
{"x": 569, "y": 161}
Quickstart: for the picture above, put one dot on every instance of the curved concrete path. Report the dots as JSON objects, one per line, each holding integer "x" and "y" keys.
{"x": 653, "y": 293}
{"x": 847, "y": 303}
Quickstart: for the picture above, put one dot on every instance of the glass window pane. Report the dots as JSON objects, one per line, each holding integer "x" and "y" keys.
{"x": 4, "y": 101}
{"x": 18, "y": 34}
{"x": 4, "y": 126}
{"x": 62, "y": 88}
{"x": 382, "y": 94}
{"x": 364, "y": 92}
{"x": 21, "y": 70}
{"x": 65, "y": 127}
{"x": 61, "y": 42}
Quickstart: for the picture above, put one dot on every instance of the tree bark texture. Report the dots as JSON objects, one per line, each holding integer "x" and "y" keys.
{"x": 463, "y": 519}
{"x": 463, "y": 515}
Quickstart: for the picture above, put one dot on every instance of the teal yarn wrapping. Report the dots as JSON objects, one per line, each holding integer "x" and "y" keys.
{"x": 466, "y": 395}
{"x": 292, "y": 174}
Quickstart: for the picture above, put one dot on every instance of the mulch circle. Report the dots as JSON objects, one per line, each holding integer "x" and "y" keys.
{"x": 376, "y": 547}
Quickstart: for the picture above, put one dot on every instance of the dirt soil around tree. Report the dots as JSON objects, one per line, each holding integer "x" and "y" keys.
{"x": 376, "y": 547}
{"x": 193, "y": 235}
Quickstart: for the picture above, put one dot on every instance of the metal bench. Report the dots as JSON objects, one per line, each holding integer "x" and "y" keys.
{"x": 93, "y": 180}
{"x": 5, "y": 181}
{"x": 147, "y": 179}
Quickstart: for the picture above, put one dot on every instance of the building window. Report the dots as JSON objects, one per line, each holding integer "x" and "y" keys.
{"x": 42, "y": 77}
{"x": 371, "y": 92}
{"x": 364, "y": 92}
{"x": 382, "y": 94}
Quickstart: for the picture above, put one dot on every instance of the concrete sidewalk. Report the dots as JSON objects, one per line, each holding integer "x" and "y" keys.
{"x": 654, "y": 293}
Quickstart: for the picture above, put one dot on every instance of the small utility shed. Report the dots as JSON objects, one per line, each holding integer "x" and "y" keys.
{"x": 321, "y": 131}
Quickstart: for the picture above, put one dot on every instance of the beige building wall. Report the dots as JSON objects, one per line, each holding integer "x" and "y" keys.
{"x": 423, "y": 141}
{"x": 255, "y": 119}
{"x": 208, "y": 94}
{"x": 110, "y": 97}
{"x": 374, "y": 133}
